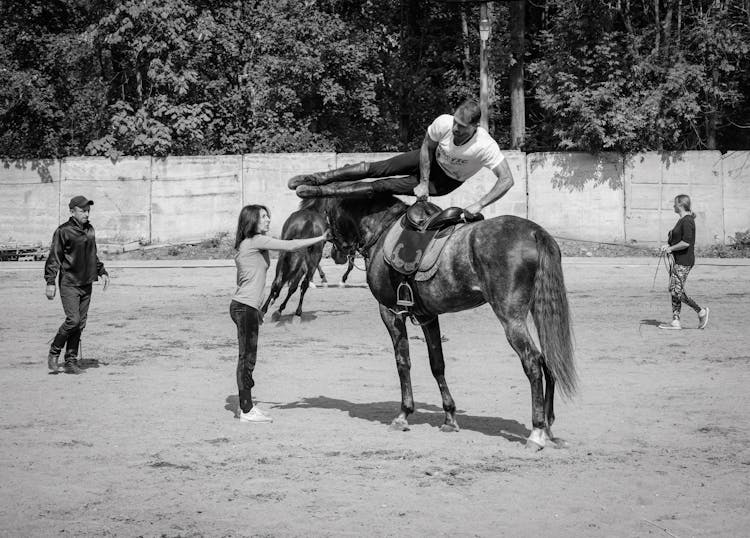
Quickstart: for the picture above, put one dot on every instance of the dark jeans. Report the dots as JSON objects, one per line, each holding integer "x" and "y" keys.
{"x": 408, "y": 164}
{"x": 75, "y": 302}
{"x": 248, "y": 321}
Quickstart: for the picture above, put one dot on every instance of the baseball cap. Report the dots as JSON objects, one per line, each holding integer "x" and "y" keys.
{"x": 80, "y": 201}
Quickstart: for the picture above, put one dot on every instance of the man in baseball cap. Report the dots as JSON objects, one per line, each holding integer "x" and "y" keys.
{"x": 80, "y": 201}
{"x": 73, "y": 257}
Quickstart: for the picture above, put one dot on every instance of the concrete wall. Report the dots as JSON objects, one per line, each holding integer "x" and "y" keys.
{"x": 29, "y": 200}
{"x": 577, "y": 195}
{"x": 652, "y": 180}
{"x": 601, "y": 197}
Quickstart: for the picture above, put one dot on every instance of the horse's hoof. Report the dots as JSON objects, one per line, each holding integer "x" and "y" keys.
{"x": 449, "y": 428}
{"x": 296, "y": 319}
{"x": 276, "y": 316}
{"x": 342, "y": 284}
{"x": 312, "y": 285}
{"x": 533, "y": 446}
{"x": 399, "y": 425}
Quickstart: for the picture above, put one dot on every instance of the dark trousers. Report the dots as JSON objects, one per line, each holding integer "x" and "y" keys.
{"x": 75, "y": 301}
{"x": 407, "y": 164}
{"x": 248, "y": 321}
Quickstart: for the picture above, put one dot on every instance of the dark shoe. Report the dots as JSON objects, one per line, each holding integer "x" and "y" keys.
{"x": 71, "y": 367}
{"x": 52, "y": 363}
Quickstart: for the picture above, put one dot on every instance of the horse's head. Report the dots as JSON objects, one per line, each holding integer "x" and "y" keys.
{"x": 339, "y": 256}
{"x": 357, "y": 224}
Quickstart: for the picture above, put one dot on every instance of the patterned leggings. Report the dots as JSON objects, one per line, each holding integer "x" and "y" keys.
{"x": 677, "y": 277}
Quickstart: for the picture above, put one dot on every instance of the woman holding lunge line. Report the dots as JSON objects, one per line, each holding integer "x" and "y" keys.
{"x": 681, "y": 245}
{"x": 252, "y": 261}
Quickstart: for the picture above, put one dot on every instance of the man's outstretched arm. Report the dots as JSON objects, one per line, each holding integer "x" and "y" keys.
{"x": 502, "y": 185}
{"x": 425, "y": 158}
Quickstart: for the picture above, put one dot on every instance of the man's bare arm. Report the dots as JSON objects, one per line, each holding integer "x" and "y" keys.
{"x": 502, "y": 185}
{"x": 425, "y": 158}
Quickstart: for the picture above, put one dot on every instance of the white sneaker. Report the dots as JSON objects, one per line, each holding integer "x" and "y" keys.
{"x": 703, "y": 318}
{"x": 675, "y": 325}
{"x": 254, "y": 415}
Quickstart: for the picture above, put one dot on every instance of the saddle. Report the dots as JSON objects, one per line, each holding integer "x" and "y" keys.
{"x": 413, "y": 244}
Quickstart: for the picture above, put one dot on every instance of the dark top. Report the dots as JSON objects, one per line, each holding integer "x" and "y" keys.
{"x": 684, "y": 230}
{"x": 73, "y": 255}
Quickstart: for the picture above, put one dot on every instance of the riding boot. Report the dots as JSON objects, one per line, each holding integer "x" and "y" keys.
{"x": 350, "y": 172}
{"x": 352, "y": 190}
{"x": 52, "y": 358}
{"x": 71, "y": 365}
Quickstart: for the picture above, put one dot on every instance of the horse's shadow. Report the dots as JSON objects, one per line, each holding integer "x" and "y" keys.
{"x": 652, "y": 322}
{"x": 307, "y": 316}
{"x": 384, "y": 412}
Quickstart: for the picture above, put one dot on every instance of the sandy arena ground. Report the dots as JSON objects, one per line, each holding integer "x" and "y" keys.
{"x": 146, "y": 443}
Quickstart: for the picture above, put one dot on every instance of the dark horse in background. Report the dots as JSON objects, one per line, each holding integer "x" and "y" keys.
{"x": 509, "y": 262}
{"x": 297, "y": 269}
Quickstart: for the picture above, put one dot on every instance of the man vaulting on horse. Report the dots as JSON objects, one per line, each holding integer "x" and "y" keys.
{"x": 457, "y": 144}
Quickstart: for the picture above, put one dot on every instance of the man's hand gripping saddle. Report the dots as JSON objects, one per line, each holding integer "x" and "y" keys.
{"x": 413, "y": 244}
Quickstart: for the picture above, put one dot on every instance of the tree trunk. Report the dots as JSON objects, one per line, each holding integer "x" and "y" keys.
{"x": 517, "y": 102}
{"x": 467, "y": 50}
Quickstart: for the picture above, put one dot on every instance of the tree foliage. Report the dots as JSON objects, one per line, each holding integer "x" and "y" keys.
{"x": 178, "y": 77}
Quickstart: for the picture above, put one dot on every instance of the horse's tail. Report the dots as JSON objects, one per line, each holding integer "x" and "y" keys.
{"x": 551, "y": 315}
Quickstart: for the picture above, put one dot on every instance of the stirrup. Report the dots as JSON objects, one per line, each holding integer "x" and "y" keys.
{"x": 404, "y": 295}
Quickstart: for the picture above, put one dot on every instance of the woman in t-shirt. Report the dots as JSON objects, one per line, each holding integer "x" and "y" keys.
{"x": 681, "y": 245}
{"x": 252, "y": 261}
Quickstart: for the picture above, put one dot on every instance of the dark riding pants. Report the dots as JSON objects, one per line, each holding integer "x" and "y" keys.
{"x": 75, "y": 302}
{"x": 407, "y": 164}
{"x": 248, "y": 321}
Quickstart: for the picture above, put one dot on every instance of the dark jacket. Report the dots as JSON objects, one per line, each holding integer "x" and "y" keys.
{"x": 684, "y": 230}
{"x": 73, "y": 255}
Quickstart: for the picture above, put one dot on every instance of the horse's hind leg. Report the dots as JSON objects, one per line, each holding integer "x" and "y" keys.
{"x": 520, "y": 340}
{"x": 303, "y": 289}
{"x": 549, "y": 405}
{"x": 397, "y": 329}
{"x": 431, "y": 330}
{"x": 322, "y": 275}
{"x": 273, "y": 295}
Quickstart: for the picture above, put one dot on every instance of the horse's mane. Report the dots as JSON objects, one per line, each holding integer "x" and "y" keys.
{"x": 382, "y": 203}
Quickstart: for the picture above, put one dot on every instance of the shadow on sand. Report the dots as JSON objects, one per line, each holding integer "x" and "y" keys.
{"x": 385, "y": 412}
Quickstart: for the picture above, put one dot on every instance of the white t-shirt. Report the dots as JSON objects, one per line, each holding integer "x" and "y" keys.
{"x": 462, "y": 162}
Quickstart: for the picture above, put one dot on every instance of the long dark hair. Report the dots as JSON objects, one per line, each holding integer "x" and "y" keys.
{"x": 247, "y": 224}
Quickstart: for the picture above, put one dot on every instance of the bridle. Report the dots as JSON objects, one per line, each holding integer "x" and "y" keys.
{"x": 360, "y": 245}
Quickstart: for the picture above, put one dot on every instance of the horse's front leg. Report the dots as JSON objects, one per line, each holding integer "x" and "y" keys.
{"x": 431, "y": 330}
{"x": 350, "y": 266}
{"x": 397, "y": 329}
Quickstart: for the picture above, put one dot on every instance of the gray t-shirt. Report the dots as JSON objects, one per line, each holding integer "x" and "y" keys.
{"x": 252, "y": 263}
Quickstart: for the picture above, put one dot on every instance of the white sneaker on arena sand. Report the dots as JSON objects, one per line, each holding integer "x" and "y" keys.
{"x": 703, "y": 318}
{"x": 254, "y": 415}
{"x": 675, "y": 325}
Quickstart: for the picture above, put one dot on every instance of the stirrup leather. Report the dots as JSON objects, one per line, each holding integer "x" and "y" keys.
{"x": 404, "y": 295}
